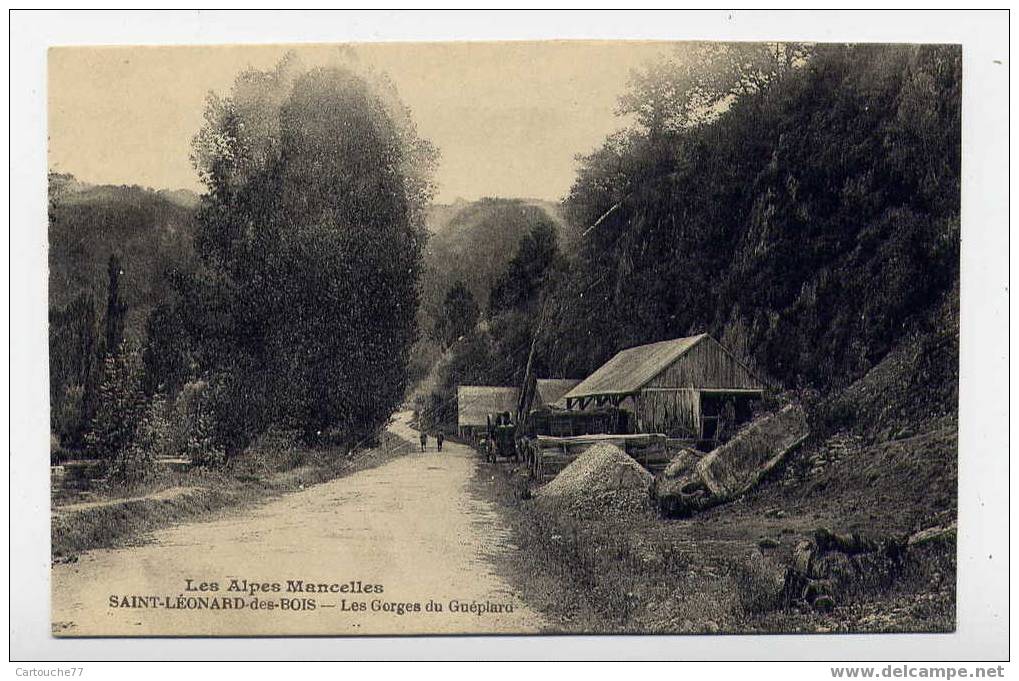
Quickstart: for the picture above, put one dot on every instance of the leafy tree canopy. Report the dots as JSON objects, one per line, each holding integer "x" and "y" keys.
{"x": 311, "y": 235}
{"x": 802, "y": 204}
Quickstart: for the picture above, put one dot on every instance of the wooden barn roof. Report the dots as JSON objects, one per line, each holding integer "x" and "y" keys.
{"x": 551, "y": 389}
{"x": 631, "y": 369}
{"x": 475, "y": 402}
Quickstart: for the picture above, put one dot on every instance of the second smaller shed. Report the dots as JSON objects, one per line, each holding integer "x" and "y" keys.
{"x": 474, "y": 404}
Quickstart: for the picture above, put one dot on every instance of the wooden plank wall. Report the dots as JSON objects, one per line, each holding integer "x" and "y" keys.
{"x": 676, "y": 413}
{"x": 706, "y": 365}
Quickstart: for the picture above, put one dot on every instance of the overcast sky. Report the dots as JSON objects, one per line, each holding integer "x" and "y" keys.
{"x": 508, "y": 118}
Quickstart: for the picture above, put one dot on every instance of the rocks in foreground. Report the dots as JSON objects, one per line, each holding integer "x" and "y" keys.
{"x": 831, "y": 566}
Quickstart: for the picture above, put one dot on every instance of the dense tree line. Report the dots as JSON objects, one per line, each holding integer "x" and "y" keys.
{"x": 492, "y": 349}
{"x": 300, "y": 310}
{"x": 470, "y": 246}
{"x": 107, "y": 245}
{"x": 799, "y": 202}
{"x": 806, "y": 224}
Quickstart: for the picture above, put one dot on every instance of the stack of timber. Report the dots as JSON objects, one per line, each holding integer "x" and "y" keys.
{"x": 549, "y": 455}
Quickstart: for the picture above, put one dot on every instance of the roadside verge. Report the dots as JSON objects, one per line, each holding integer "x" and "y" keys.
{"x": 123, "y": 520}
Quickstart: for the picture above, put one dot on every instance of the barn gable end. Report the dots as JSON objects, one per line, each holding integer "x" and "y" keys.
{"x": 706, "y": 365}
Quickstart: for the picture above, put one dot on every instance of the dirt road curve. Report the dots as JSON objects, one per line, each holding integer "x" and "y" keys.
{"x": 410, "y": 525}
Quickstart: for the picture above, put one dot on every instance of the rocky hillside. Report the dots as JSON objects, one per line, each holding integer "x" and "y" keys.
{"x": 885, "y": 455}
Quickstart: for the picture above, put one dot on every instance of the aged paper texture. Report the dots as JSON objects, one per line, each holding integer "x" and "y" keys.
{"x": 504, "y": 338}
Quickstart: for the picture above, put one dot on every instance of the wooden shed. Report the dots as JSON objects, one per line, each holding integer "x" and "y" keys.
{"x": 685, "y": 388}
{"x": 475, "y": 402}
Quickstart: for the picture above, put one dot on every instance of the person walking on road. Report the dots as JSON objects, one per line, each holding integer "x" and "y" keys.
{"x": 424, "y": 440}
{"x": 439, "y": 437}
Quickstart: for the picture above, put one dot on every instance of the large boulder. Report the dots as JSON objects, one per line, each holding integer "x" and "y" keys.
{"x": 678, "y": 489}
{"x": 737, "y": 466}
{"x": 691, "y": 482}
{"x": 833, "y": 566}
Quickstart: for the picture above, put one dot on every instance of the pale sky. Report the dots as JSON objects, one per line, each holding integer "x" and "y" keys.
{"x": 508, "y": 118}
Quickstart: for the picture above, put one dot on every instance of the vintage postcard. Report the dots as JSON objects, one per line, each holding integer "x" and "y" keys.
{"x": 584, "y": 337}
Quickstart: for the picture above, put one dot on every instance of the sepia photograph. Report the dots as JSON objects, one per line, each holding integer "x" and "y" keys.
{"x": 573, "y": 344}
{"x": 519, "y": 338}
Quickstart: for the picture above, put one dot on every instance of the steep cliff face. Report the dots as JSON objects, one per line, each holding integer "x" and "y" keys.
{"x": 883, "y": 455}
{"x": 811, "y": 227}
{"x": 913, "y": 389}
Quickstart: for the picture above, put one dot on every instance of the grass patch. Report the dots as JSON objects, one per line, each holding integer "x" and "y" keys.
{"x": 637, "y": 574}
{"x": 622, "y": 574}
{"x": 122, "y": 514}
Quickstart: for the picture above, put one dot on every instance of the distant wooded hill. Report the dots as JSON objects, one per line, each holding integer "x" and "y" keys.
{"x": 151, "y": 232}
{"x": 474, "y": 241}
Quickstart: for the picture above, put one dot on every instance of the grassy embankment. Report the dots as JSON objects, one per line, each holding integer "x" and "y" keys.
{"x": 719, "y": 571}
{"x": 118, "y": 515}
{"x": 882, "y": 462}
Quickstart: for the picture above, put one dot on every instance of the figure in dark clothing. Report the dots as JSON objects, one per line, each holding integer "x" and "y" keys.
{"x": 424, "y": 440}
{"x": 439, "y": 437}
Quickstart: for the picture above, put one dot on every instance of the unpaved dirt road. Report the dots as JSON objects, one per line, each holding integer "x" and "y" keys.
{"x": 410, "y": 526}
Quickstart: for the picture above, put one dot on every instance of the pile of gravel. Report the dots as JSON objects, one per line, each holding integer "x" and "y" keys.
{"x": 602, "y": 479}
